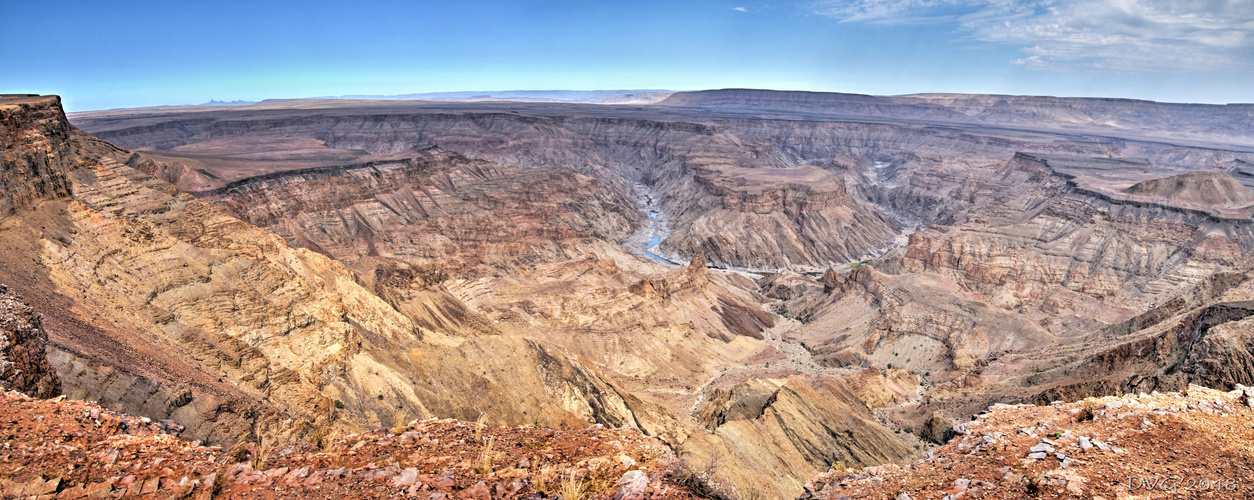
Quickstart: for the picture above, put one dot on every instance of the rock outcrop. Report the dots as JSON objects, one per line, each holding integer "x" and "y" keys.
{"x": 35, "y": 151}
{"x": 24, "y": 363}
{"x": 694, "y": 277}
{"x": 810, "y": 424}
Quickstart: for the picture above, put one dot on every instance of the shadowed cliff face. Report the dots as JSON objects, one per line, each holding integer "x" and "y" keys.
{"x": 24, "y": 363}
{"x": 435, "y": 208}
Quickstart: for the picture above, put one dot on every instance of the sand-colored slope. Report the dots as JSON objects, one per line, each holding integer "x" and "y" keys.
{"x": 1199, "y": 188}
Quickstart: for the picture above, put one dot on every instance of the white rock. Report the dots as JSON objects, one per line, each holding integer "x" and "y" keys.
{"x": 632, "y": 486}
{"x": 406, "y": 478}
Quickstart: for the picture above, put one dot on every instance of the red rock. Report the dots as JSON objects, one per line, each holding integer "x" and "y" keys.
{"x": 406, "y": 478}
{"x": 97, "y": 490}
{"x": 477, "y": 492}
{"x": 109, "y": 456}
{"x": 296, "y": 475}
{"x": 44, "y": 487}
{"x": 72, "y": 492}
{"x": 445, "y": 480}
{"x": 506, "y": 489}
{"x": 150, "y": 485}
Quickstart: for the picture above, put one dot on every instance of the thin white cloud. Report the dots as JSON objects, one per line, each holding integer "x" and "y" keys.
{"x": 1114, "y": 34}
{"x": 740, "y": 9}
{"x": 889, "y": 11}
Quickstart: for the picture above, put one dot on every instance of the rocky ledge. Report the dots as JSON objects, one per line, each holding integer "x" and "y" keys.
{"x": 1193, "y": 444}
{"x": 71, "y": 449}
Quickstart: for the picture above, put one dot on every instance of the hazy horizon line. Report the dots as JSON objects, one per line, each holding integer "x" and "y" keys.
{"x": 215, "y": 101}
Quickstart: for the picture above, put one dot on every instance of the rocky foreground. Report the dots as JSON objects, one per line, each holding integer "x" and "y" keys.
{"x": 62, "y": 448}
{"x": 1193, "y": 444}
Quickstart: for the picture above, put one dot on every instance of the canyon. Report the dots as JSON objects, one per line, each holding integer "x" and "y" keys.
{"x": 773, "y": 285}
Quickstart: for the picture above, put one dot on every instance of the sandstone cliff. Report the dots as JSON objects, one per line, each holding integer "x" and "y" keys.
{"x": 34, "y": 140}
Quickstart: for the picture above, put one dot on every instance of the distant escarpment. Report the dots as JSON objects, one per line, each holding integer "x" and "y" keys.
{"x": 1154, "y": 119}
{"x": 1048, "y": 226}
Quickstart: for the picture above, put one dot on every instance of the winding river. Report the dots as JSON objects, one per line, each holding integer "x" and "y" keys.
{"x": 645, "y": 242}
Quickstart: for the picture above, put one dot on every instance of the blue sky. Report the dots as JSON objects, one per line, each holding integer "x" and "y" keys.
{"x": 120, "y": 54}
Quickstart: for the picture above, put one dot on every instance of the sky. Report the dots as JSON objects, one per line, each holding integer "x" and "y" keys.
{"x": 101, "y": 55}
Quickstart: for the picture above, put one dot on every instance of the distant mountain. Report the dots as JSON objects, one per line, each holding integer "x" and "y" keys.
{"x": 214, "y": 102}
{"x": 576, "y": 96}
